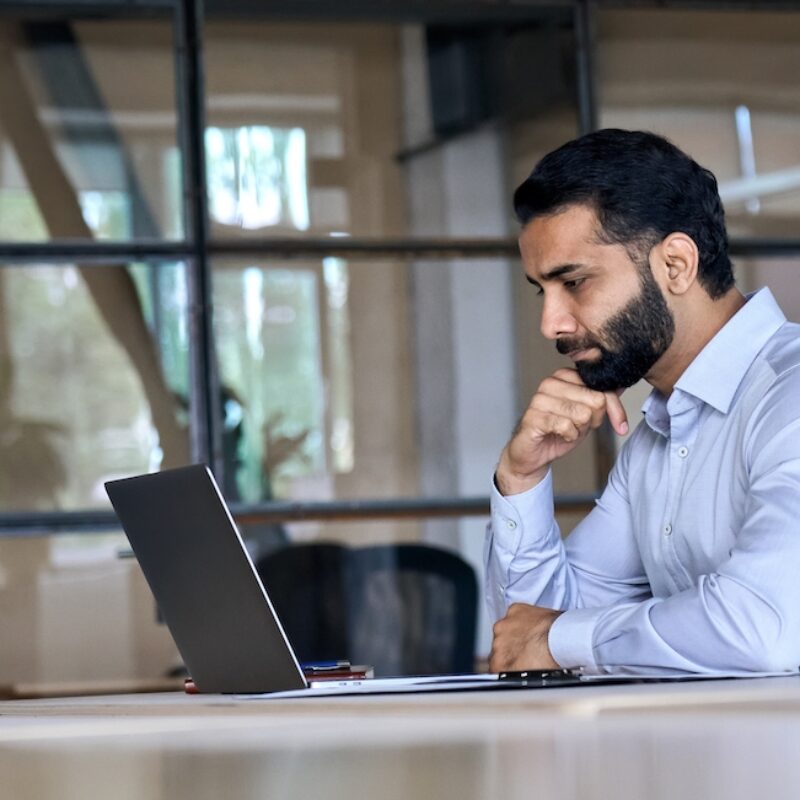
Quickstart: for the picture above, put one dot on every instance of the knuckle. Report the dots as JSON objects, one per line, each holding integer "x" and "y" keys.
{"x": 530, "y": 422}
{"x": 563, "y": 425}
{"x": 548, "y": 385}
{"x": 526, "y": 421}
{"x": 596, "y": 400}
{"x": 565, "y": 374}
{"x": 538, "y": 403}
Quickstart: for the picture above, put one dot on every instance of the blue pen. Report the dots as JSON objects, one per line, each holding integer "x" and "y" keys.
{"x": 322, "y": 666}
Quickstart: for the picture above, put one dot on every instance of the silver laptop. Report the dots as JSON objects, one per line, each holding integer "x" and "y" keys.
{"x": 215, "y": 605}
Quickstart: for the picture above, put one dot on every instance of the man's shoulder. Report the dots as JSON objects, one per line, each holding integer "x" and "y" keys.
{"x": 770, "y": 404}
{"x": 781, "y": 354}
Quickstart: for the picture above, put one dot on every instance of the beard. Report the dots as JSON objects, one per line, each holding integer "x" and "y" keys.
{"x": 630, "y": 342}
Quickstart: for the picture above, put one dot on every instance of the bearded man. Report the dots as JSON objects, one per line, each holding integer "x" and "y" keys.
{"x": 690, "y": 560}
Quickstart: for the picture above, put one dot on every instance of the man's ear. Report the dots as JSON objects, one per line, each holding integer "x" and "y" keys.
{"x": 679, "y": 261}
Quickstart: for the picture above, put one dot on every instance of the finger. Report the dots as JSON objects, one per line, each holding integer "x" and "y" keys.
{"x": 617, "y": 415}
{"x": 495, "y": 663}
{"x": 569, "y": 374}
{"x": 537, "y": 423}
{"x": 500, "y": 658}
{"x": 567, "y": 383}
{"x": 562, "y": 427}
{"x": 579, "y": 413}
{"x": 571, "y": 400}
{"x": 575, "y": 391}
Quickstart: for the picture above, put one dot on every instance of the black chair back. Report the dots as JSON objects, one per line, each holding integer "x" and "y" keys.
{"x": 406, "y": 609}
{"x": 308, "y": 587}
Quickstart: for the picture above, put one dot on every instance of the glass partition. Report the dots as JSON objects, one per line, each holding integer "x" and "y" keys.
{"x": 722, "y": 85}
{"x": 93, "y": 379}
{"x": 86, "y": 151}
{"x": 779, "y": 274}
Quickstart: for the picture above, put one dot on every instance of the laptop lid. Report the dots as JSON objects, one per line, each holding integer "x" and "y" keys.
{"x": 204, "y": 582}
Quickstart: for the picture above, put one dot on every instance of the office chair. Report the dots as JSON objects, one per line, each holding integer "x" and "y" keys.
{"x": 406, "y": 609}
{"x": 309, "y": 590}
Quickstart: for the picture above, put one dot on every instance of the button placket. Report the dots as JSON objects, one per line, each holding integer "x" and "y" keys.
{"x": 683, "y": 431}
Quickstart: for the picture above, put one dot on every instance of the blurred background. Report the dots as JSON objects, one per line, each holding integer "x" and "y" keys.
{"x": 277, "y": 237}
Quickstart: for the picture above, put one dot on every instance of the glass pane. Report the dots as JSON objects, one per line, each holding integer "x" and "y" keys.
{"x": 287, "y": 365}
{"x": 93, "y": 380}
{"x": 304, "y": 137}
{"x": 721, "y": 85}
{"x": 78, "y": 614}
{"x": 88, "y": 144}
{"x": 377, "y": 130}
{"x": 358, "y": 378}
{"x": 270, "y": 346}
{"x": 781, "y": 275}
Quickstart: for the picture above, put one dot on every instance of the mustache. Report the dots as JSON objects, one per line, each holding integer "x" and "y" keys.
{"x": 567, "y": 346}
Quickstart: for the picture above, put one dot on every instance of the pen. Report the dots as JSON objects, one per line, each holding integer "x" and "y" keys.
{"x": 322, "y": 666}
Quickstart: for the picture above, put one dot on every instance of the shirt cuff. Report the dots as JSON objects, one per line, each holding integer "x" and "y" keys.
{"x": 508, "y": 511}
{"x": 571, "y": 635}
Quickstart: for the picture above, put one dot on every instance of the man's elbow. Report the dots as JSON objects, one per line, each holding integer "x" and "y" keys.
{"x": 775, "y": 657}
{"x": 778, "y": 652}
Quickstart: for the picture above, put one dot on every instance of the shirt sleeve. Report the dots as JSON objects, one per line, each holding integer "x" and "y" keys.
{"x": 528, "y": 562}
{"x": 743, "y": 617}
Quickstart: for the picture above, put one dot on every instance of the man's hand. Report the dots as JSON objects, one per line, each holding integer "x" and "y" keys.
{"x": 558, "y": 419}
{"x": 520, "y": 639}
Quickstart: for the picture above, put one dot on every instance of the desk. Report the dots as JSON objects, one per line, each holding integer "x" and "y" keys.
{"x": 720, "y": 739}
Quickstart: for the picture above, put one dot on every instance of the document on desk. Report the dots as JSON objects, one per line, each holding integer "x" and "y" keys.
{"x": 423, "y": 683}
{"x": 526, "y": 679}
{"x": 633, "y": 675}
{"x": 542, "y": 678}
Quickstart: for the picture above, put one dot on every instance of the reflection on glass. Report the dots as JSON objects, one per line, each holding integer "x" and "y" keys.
{"x": 305, "y": 138}
{"x": 721, "y": 85}
{"x": 317, "y": 377}
{"x": 93, "y": 362}
{"x": 779, "y": 274}
{"x": 337, "y": 284}
{"x": 284, "y": 348}
{"x": 257, "y": 177}
{"x": 270, "y": 352}
{"x": 88, "y": 143}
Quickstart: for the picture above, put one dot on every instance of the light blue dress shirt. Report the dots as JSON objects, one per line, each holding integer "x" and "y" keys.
{"x": 691, "y": 558}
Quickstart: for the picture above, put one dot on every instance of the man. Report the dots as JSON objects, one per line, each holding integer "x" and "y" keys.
{"x": 691, "y": 558}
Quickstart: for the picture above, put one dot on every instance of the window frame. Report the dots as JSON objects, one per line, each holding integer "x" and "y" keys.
{"x": 197, "y": 249}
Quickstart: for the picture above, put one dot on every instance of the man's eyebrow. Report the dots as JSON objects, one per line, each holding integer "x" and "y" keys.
{"x": 556, "y": 272}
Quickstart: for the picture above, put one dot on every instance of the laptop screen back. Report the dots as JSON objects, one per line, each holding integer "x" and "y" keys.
{"x": 204, "y": 582}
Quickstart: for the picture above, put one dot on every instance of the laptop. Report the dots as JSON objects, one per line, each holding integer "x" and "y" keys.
{"x": 216, "y": 608}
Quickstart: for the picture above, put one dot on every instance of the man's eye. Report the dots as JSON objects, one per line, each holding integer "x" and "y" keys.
{"x": 574, "y": 283}
{"x": 539, "y": 291}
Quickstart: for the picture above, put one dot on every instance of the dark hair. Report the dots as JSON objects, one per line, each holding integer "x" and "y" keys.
{"x": 642, "y": 188}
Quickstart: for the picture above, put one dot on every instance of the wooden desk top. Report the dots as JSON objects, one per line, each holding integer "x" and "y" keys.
{"x": 705, "y": 740}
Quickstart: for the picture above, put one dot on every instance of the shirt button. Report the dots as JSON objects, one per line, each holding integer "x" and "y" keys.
{"x": 667, "y": 529}
{"x": 683, "y": 452}
{"x": 511, "y": 524}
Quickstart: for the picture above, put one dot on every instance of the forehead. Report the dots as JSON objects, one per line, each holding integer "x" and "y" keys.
{"x": 566, "y": 237}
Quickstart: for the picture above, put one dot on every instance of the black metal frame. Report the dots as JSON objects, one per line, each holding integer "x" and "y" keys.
{"x": 197, "y": 247}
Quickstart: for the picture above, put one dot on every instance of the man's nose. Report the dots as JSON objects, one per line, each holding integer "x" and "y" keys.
{"x": 557, "y": 319}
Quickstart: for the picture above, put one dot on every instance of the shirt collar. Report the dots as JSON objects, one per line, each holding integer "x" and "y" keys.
{"x": 716, "y": 372}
